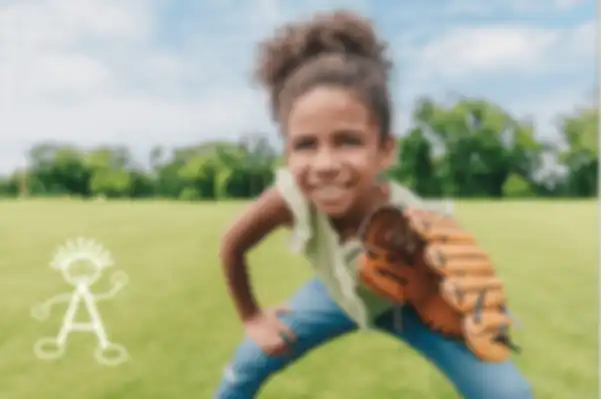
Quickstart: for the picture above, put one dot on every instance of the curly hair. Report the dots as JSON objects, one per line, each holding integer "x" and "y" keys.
{"x": 339, "y": 48}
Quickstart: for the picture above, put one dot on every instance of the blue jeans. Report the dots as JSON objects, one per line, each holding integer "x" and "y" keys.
{"x": 316, "y": 319}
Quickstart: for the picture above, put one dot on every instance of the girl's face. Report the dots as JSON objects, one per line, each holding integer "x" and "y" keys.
{"x": 334, "y": 150}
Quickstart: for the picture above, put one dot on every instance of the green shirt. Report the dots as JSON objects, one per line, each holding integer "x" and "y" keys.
{"x": 333, "y": 262}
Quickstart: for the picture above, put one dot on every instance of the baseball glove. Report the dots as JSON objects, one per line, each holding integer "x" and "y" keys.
{"x": 426, "y": 260}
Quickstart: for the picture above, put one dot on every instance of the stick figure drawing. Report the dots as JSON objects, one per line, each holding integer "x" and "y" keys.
{"x": 81, "y": 263}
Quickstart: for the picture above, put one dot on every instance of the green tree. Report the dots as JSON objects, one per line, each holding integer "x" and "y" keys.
{"x": 9, "y": 186}
{"x": 258, "y": 161}
{"x": 111, "y": 171}
{"x": 111, "y": 183}
{"x": 581, "y": 157}
{"x": 517, "y": 186}
{"x": 482, "y": 145}
{"x": 469, "y": 147}
{"x": 416, "y": 164}
{"x": 58, "y": 169}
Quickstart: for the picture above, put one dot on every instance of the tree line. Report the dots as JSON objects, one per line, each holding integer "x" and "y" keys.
{"x": 469, "y": 148}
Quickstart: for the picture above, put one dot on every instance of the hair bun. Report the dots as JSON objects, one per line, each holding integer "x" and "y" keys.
{"x": 341, "y": 32}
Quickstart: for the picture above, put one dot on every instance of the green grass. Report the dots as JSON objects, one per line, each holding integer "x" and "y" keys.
{"x": 177, "y": 322}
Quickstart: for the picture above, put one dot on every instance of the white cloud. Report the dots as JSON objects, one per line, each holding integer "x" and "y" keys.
{"x": 90, "y": 72}
{"x": 46, "y": 76}
{"x": 567, "y": 4}
{"x": 546, "y": 110}
{"x": 60, "y": 23}
{"x": 463, "y": 51}
{"x": 138, "y": 122}
{"x": 86, "y": 72}
{"x": 132, "y": 119}
{"x": 43, "y": 47}
{"x": 481, "y": 49}
{"x": 493, "y": 7}
{"x": 476, "y": 59}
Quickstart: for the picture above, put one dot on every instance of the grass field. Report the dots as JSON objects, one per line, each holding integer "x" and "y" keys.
{"x": 178, "y": 325}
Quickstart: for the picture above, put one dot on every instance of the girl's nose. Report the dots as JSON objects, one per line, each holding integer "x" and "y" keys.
{"x": 326, "y": 163}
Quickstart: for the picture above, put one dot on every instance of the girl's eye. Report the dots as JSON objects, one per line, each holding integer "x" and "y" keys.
{"x": 304, "y": 144}
{"x": 350, "y": 140}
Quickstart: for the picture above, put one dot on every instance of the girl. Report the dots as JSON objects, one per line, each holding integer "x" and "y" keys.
{"x": 328, "y": 79}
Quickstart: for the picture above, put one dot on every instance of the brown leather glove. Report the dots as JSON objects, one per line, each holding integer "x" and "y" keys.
{"x": 428, "y": 261}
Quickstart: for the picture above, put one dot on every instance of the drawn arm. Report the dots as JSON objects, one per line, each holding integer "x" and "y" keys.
{"x": 119, "y": 280}
{"x": 42, "y": 310}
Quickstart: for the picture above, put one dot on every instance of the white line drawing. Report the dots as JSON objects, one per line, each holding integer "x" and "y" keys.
{"x": 81, "y": 263}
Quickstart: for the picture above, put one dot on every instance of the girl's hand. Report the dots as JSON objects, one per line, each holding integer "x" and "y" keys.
{"x": 267, "y": 331}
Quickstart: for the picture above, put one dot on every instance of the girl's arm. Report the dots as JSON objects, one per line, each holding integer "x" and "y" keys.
{"x": 265, "y": 214}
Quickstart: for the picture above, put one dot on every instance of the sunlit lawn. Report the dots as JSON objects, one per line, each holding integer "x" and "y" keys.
{"x": 178, "y": 325}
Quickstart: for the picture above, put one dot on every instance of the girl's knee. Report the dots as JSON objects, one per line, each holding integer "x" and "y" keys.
{"x": 247, "y": 372}
{"x": 501, "y": 388}
{"x": 519, "y": 389}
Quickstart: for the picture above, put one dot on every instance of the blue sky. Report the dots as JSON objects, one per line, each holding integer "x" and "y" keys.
{"x": 141, "y": 73}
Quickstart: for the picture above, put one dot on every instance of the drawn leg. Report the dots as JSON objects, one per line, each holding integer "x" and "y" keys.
{"x": 48, "y": 348}
{"x": 51, "y": 348}
{"x": 107, "y": 353}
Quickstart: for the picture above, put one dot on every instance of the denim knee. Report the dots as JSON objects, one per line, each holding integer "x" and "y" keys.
{"x": 517, "y": 388}
{"x": 521, "y": 389}
{"x": 249, "y": 370}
